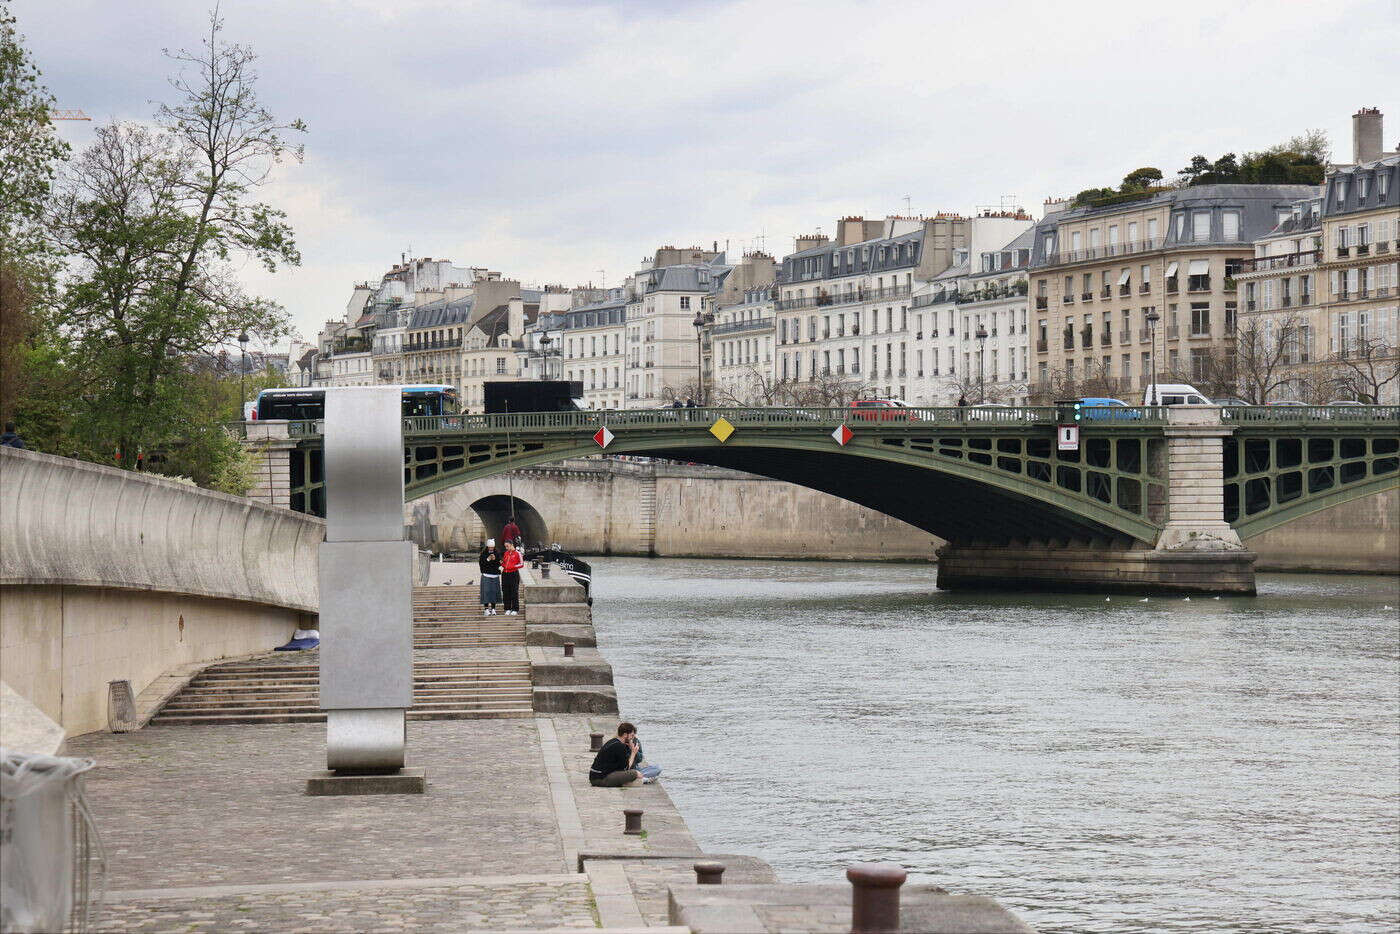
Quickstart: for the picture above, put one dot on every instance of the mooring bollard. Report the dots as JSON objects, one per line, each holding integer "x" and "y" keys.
{"x": 709, "y": 873}
{"x": 595, "y": 742}
{"x": 568, "y": 650}
{"x": 633, "y": 821}
{"x": 544, "y": 571}
{"x": 875, "y": 897}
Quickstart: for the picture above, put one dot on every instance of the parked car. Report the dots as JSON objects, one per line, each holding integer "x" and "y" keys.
{"x": 1173, "y": 394}
{"x": 1096, "y": 408}
{"x": 881, "y": 410}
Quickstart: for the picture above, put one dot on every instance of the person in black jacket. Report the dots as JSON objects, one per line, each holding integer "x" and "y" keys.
{"x": 11, "y": 438}
{"x": 613, "y": 766}
{"x": 490, "y": 564}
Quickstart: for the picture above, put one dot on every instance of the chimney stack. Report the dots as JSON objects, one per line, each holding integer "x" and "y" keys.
{"x": 1366, "y": 132}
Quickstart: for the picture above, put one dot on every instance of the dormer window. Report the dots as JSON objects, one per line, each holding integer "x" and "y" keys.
{"x": 1340, "y": 189}
{"x": 1362, "y": 184}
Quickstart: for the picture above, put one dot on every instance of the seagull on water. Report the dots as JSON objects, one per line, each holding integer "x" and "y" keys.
{"x": 1143, "y": 600}
{"x": 1185, "y": 599}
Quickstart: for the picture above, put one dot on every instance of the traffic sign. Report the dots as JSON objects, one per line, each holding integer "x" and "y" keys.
{"x": 1069, "y": 437}
{"x": 603, "y": 437}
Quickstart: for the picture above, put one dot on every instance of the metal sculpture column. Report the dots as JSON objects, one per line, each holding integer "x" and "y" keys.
{"x": 366, "y": 598}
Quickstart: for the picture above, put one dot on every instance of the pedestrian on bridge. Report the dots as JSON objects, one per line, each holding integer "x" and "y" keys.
{"x": 490, "y": 564}
{"x": 11, "y": 438}
{"x": 511, "y": 563}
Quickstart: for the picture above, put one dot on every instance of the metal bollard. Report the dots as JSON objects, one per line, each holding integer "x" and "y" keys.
{"x": 632, "y": 821}
{"x": 568, "y": 650}
{"x": 709, "y": 873}
{"x": 544, "y": 572}
{"x": 595, "y": 742}
{"x": 875, "y": 897}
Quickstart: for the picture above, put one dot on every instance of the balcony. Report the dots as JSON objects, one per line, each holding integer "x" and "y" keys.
{"x": 735, "y": 326}
{"x": 1042, "y": 302}
{"x": 1105, "y": 338}
{"x": 1343, "y": 252}
{"x": 1144, "y": 334}
{"x": 1382, "y": 246}
{"x": 1304, "y": 299}
{"x": 1086, "y": 337}
{"x": 1125, "y": 336}
{"x": 1173, "y": 332}
{"x": 1286, "y": 301}
{"x": 1086, "y": 296}
{"x": 1106, "y": 292}
{"x": 1172, "y": 287}
{"x": 1251, "y": 305}
{"x": 1105, "y": 252}
{"x": 1068, "y": 299}
{"x": 1286, "y": 261}
{"x": 1144, "y": 288}
{"x": 1042, "y": 346}
{"x": 853, "y": 297}
{"x": 1363, "y": 249}
{"x": 1069, "y": 340}
{"x": 1198, "y": 284}
{"x": 1125, "y": 290}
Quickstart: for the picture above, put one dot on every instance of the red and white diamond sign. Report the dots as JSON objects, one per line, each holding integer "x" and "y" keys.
{"x": 842, "y": 434}
{"x": 603, "y": 437}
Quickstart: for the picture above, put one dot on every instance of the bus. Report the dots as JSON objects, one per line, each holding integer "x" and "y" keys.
{"x": 304, "y": 405}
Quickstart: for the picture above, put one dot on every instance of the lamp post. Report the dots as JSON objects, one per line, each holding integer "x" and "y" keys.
{"x": 699, "y": 323}
{"x": 545, "y": 341}
{"x": 242, "y": 374}
{"x": 981, "y": 359}
{"x": 1152, "y": 319}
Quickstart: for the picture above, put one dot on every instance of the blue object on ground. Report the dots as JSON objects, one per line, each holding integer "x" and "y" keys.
{"x": 297, "y": 645}
{"x": 649, "y": 771}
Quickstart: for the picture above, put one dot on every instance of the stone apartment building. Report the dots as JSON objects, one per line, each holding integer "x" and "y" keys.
{"x": 982, "y": 293}
{"x": 1098, "y": 271}
{"x": 663, "y": 339}
{"x": 593, "y": 338}
{"x": 1358, "y": 276}
{"x": 741, "y": 351}
{"x": 842, "y": 311}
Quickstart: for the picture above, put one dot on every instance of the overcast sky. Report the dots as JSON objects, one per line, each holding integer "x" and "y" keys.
{"x": 563, "y": 141}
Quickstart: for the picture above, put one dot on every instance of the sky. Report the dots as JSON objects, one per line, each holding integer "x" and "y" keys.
{"x": 563, "y": 141}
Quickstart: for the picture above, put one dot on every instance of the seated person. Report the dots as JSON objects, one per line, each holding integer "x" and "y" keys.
{"x": 645, "y": 769}
{"x": 614, "y": 766}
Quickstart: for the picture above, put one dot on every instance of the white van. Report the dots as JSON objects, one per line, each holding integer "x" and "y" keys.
{"x": 1173, "y": 394}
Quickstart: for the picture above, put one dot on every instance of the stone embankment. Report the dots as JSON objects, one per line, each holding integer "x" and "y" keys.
{"x": 510, "y": 836}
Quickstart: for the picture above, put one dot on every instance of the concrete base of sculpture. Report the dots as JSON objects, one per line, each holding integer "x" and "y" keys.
{"x": 401, "y": 782}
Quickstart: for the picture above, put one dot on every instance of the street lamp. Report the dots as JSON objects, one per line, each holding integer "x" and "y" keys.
{"x": 699, "y": 323}
{"x": 981, "y": 358}
{"x": 242, "y": 374}
{"x": 1152, "y": 319}
{"x": 545, "y": 341}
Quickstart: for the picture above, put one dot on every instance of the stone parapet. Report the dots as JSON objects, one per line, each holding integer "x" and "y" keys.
{"x": 77, "y": 524}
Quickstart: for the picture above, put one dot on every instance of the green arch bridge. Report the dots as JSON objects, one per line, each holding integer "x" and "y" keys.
{"x": 1151, "y": 498}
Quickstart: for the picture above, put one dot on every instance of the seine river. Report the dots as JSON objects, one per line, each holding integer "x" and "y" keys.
{"x": 1094, "y": 765}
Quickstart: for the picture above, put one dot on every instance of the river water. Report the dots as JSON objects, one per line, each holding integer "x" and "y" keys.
{"x": 1094, "y": 765}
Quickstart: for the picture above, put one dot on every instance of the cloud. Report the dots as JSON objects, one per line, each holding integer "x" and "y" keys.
{"x": 553, "y": 139}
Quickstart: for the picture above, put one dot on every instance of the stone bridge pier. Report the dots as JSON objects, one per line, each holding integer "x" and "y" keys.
{"x": 1196, "y": 550}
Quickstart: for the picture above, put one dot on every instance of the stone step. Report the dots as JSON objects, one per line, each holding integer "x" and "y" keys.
{"x": 519, "y": 698}
{"x": 463, "y": 714}
{"x": 434, "y": 690}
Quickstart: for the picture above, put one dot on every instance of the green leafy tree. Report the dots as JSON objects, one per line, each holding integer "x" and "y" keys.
{"x": 152, "y": 220}
{"x": 30, "y": 154}
{"x": 1141, "y": 179}
{"x": 1199, "y": 166}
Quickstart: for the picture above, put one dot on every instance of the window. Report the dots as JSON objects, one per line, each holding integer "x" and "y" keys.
{"x": 1200, "y": 226}
{"x": 1361, "y": 187}
{"x": 1132, "y": 232}
{"x": 1231, "y": 317}
{"x": 685, "y": 301}
{"x": 1200, "y": 319}
{"x": 500, "y": 365}
{"x": 1180, "y": 227}
{"x": 1095, "y": 238}
{"x": 1231, "y": 229}
{"x": 1127, "y": 371}
{"x": 1145, "y": 281}
{"x": 1198, "y": 275}
{"x": 1076, "y": 241}
{"x": 1340, "y": 191}
{"x": 1152, "y": 228}
{"x": 1382, "y": 184}
{"x": 1112, "y": 234}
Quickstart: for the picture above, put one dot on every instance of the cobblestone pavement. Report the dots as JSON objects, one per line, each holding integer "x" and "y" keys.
{"x": 198, "y": 806}
{"x": 524, "y": 906}
{"x": 652, "y": 879}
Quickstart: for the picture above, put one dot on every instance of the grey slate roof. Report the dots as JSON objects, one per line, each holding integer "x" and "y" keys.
{"x": 442, "y": 313}
{"x": 1257, "y": 205}
{"x": 1372, "y": 172}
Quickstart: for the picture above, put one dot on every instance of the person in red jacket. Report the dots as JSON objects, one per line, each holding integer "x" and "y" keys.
{"x": 511, "y": 563}
{"x": 511, "y": 532}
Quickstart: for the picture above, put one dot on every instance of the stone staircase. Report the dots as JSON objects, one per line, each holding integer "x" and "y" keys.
{"x": 451, "y": 618}
{"x": 284, "y": 688}
{"x": 646, "y": 515}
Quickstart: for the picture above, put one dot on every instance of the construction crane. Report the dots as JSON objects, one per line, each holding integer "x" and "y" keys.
{"x": 68, "y": 115}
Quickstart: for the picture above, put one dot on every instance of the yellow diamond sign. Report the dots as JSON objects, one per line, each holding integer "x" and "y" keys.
{"x": 722, "y": 430}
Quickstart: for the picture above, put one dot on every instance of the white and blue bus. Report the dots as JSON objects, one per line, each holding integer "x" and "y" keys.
{"x": 303, "y": 405}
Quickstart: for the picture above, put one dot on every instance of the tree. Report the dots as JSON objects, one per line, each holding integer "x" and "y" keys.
{"x": 1141, "y": 179}
{"x": 30, "y": 154}
{"x": 152, "y": 220}
{"x": 1092, "y": 194}
{"x": 1199, "y": 166}
{"x": 1365, "y": 367}
{"x": 1265, "y": 349}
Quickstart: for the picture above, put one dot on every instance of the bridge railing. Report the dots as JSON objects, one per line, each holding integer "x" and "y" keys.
{"x": 1361, "y": 415}
{"x": 701, "y": 418}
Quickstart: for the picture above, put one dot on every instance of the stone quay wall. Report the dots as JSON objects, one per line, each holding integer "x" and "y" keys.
{"x": 107, "y": 574}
